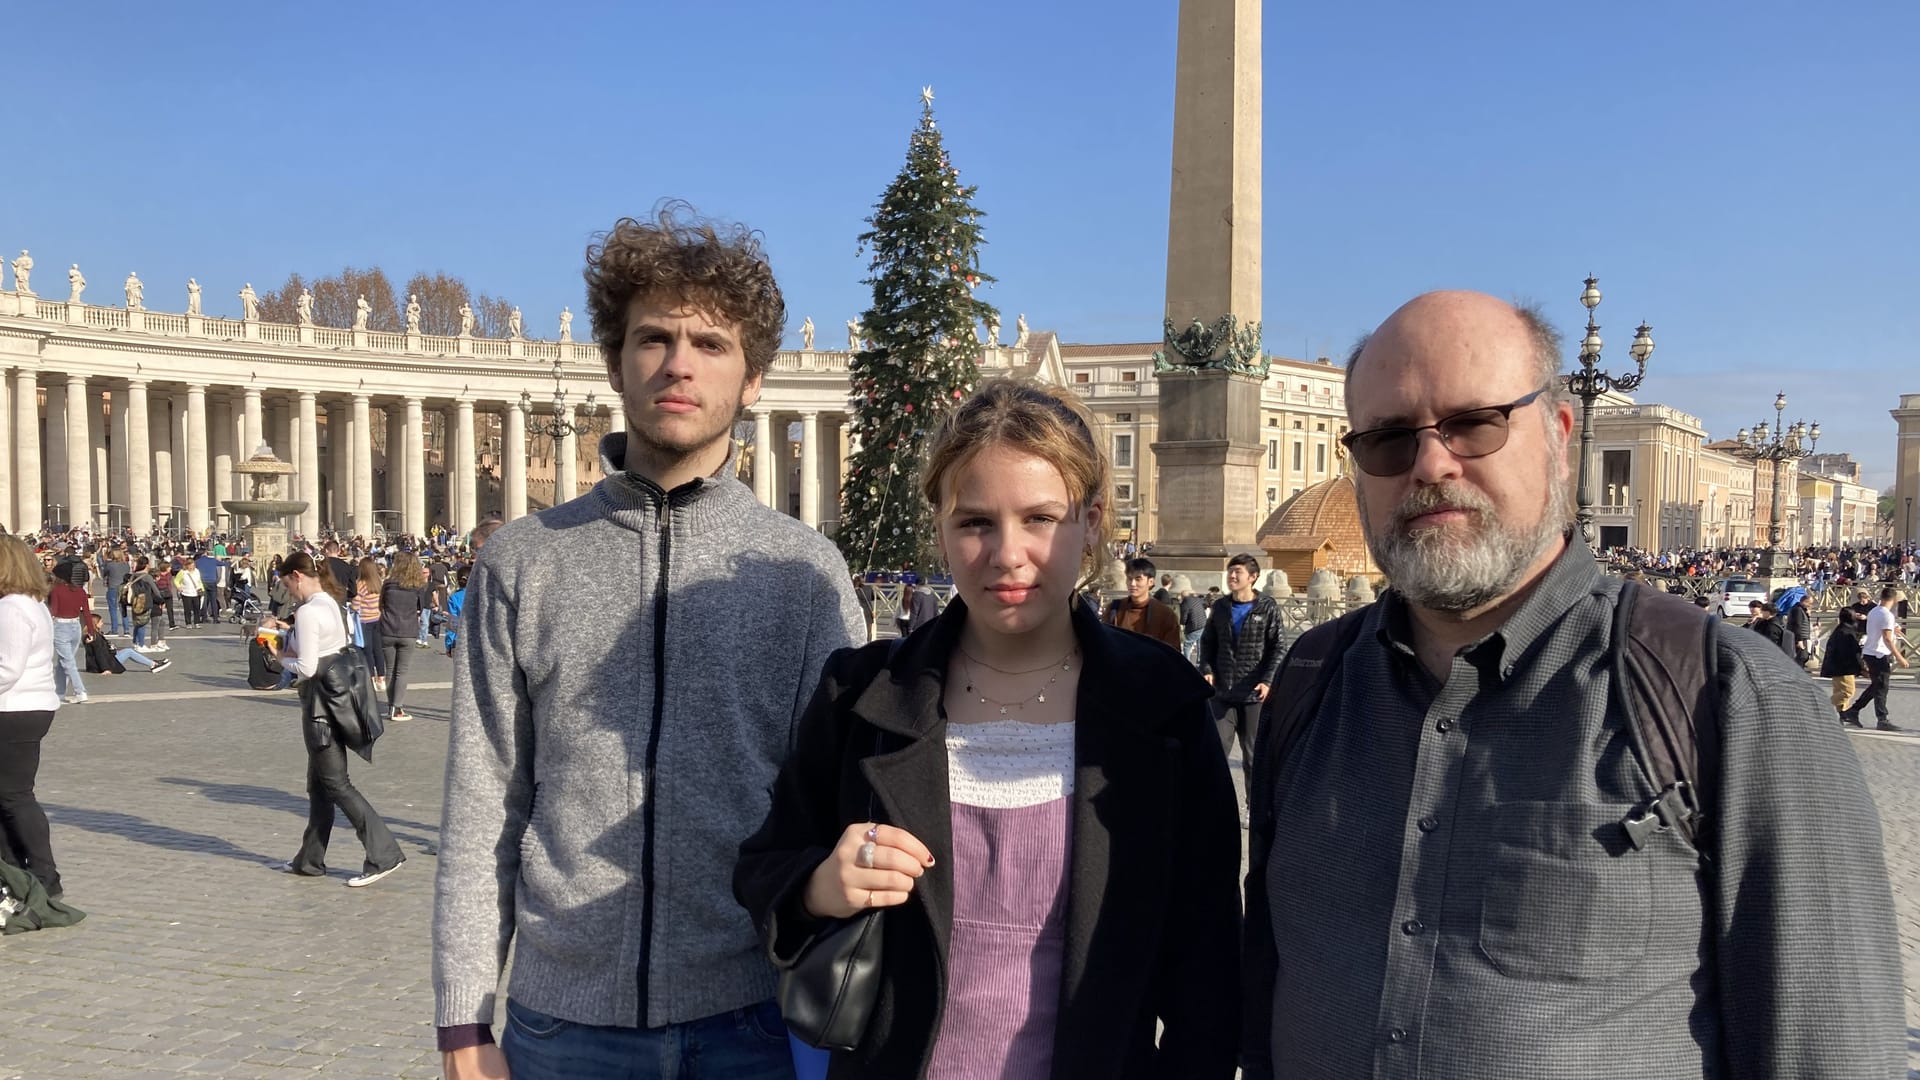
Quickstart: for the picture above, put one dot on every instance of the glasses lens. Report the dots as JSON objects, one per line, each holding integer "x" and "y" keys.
{"x": 1475, "y": 434}
{"x": 1388, "y": 452}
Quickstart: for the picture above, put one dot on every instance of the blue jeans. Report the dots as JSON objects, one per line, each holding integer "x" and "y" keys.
{"x": 66, "y": 658}
{"x": 1190, "y": 646}
{"x": 134, "y": 658}
{"x": 744, "y": 1044}
{"x": 116, "y": 621}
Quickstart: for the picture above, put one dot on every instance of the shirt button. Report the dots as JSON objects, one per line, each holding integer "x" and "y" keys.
{"x": 1397, "y": 1035}
{"x": 1443, "y": 726}
{"x": 1429, "y": 823}
{"x": 1412, "y": 927}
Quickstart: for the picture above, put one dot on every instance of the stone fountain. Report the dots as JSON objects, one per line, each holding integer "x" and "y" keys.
{"x": 265, "y": 530}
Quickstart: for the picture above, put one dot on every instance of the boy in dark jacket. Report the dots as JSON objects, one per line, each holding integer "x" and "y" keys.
{"x": 1842, "y": 663}
{"x": 1240, "y": 653}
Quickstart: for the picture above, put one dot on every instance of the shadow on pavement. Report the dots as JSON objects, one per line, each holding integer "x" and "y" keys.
{"x": 146, "y": 832}
{"x": 275, "y": 799}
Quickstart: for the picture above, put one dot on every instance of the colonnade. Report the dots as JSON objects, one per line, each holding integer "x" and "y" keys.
{"x": 150, "y": 453}
{"x": 804, "y": 479}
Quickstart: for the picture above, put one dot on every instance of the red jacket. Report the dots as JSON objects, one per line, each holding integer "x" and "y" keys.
{"x": 68, "y": 601}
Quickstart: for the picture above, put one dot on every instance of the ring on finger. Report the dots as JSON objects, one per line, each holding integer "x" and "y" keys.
{"x": 869, "y": 897}
{"x": 865, "y": 857}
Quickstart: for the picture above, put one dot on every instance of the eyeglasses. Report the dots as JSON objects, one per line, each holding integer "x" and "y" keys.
{"x": 1390, "y": 451}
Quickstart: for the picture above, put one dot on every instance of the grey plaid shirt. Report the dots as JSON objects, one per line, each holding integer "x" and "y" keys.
{"x": 1452, "y": 894}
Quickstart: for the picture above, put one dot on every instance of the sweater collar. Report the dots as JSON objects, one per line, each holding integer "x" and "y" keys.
{"x": 701, "y": 502}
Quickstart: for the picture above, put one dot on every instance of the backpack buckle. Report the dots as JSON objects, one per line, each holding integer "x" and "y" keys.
{"x": 1677, "y": 808}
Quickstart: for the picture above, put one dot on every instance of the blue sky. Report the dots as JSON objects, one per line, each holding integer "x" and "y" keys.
{"x": 1743, "y": 176}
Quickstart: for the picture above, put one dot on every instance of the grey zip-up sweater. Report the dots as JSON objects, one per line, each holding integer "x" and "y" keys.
{"x": 632, "y": 665}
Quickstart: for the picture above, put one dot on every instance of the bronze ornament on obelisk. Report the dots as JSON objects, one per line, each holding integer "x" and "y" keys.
{"x": 1212, "y": 366}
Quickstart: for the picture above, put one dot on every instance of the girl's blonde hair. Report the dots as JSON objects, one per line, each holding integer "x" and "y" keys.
{"x": 1052, "y": 425}
{"x": 20, "y": 571}
{"x": 407, "y": 571}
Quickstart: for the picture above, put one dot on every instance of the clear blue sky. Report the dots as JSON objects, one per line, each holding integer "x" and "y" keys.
{"x": 1743, "y": 176}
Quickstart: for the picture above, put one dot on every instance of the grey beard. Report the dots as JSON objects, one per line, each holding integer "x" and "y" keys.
{"x": 1440, "y": 572}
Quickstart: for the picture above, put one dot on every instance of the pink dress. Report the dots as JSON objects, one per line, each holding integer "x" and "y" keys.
{"x": 1012, "y": 793}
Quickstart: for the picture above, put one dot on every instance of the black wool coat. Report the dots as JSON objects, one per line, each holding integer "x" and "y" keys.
{"x": 1153, "y": 909}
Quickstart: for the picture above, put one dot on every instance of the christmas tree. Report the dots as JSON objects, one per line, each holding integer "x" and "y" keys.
{"x": 921, "y": 355}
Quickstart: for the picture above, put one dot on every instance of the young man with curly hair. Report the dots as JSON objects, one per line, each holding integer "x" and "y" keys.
{"x": 606, "y": 759}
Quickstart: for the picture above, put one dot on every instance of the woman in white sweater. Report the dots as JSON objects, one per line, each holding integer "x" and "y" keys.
{"x": 27, "y": 703}
{"x": 319, "y": 633}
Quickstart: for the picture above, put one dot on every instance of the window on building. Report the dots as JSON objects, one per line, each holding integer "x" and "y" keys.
{"x": 1297, "y": 425}
{"x": 1320, "y": 458}
{"x": 1273, "y": 495}
{"x": 1296, "y": 491}
{"x": 1123, "y": 418}
{"x": 1123, "y": 451}
{"x": 1303, "y": 388}
{"x": 1273, "y": 454}
{"x": 1129, "y": 376}
{"x": 1081, "y": 376}
{"x": 1299, "y": 448}
{"x": 1123, "y": 492}
{"x": 1273, "y": 421}
{"x": 1321, "y": 426}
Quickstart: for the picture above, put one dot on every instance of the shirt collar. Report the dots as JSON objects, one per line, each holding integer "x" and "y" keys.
{"x": 1572, "y": 576}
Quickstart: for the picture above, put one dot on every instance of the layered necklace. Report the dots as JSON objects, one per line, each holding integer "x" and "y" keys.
{"x": 1064, "y": 665}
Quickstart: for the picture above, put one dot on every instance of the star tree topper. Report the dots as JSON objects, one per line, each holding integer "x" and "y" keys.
{"x": 926, "y": 96}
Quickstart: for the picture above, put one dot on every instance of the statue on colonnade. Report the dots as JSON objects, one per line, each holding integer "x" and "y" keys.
{"x": 413, "y": 313}
{"x": 305, "y": 306}
{"x": 513, "y": 324}
{"x": 361, "y": 312}
{"x": 466, "y": 319}
{"x": 193, "y": 297}
{"x": 566, "y": 324}
{"x": 23, "y": 273}
{"x": 249, "y": 303}
{"x": 806, "y": 334}
{"x": 76, "y": 284}
{"x": 136, "y": 292}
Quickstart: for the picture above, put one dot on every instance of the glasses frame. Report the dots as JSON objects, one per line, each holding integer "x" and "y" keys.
{"x": 1437, "y": 427}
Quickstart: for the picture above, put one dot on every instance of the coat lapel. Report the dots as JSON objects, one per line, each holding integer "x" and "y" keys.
{"x": 1124, "y": 798}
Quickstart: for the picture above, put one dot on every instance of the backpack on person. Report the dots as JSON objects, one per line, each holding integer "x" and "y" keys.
{"x": 140, "y": 602}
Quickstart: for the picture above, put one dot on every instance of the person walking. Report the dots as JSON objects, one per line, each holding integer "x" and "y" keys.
{"x": 368, "y": 579}
{"x": 1842, "y": 662}
{"x": 144, "y": 601}
{"x": 1011, "y": 788}
{"x": 188, "y": 585}
{"x": 1240, "y": 652}
{"x": 68, "y": 605}
{"x": 1879, "y": 652}
{"x": 114, "y": 572}
{"x": 403, "y": 601}
{"x": 163, "y": 571}
{"x": 319, "y": 633}
{"x": 1193, "y": 618}
{"x": 29, "y": 697}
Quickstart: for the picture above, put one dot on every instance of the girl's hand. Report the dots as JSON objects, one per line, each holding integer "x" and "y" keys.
{"x": 872, "y": 866}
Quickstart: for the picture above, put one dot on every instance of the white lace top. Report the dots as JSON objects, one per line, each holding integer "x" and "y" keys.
{"x": 1007, "y": 764}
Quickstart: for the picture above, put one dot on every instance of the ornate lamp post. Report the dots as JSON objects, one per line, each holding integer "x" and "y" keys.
{"x": 1588, "y": 382}
{"x": 562, "y": 424}
{"x": 1780, "y": 444}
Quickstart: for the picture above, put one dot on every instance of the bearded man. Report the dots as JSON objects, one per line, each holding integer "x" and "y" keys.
{"x": 1448, "y": 888}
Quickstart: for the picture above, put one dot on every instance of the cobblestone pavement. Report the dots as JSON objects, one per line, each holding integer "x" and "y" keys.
{"x": 171, "y": 793}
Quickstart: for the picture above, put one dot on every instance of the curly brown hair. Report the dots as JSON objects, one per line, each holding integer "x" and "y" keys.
{"x": 717, "y": 268}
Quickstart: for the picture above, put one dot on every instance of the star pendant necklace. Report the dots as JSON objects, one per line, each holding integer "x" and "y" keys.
{"x": 1065, "y": 664}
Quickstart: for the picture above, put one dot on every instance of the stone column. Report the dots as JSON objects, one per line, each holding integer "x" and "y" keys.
{"x": 362, "y": 481}
{"x": 253, "y": 433}
{"x": 513, "y": 461}
{"x": 178, "y": 433}
{"x": 339, "y": 464}
{"x": 1906, "y": 469}
{"x": 280, "y": 431}
{"x": 810, "y": 469}
{"x": 56, "y": 452}
{"x": 221, "y": 427}
{"x": 30, "y": 507}
{"x": 415, "y": 458}
{"x": 290, "y": 486}
{"x": 7, "y": 515}
{"x": 460, "y": 468}
{"x": 104, "y": 495}
{"x": 395, "y": 418}
{"x": 139, "y": 458}
{"x": 198, "y": 515}
{"x": 309, "y": 464}
{"x": 160, "y": 452}
{"x": 616, "y": 422}
{"x": 566, "y": 465}
{"x": 79, "y": 452}
{"x": 117, "y": 455}
{"x": 763, "y": 457}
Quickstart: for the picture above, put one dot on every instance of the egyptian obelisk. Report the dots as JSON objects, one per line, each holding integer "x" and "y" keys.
{"x": 1212, "y": 366}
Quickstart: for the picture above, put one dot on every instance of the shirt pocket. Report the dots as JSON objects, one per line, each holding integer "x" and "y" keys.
{"x": 1562, "y": 900}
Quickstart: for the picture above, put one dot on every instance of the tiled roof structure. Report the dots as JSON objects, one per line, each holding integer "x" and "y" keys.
{"x": 1327, "y": 511}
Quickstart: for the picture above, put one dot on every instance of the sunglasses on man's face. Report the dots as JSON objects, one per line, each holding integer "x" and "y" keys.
{"x": 1390, "y": 451}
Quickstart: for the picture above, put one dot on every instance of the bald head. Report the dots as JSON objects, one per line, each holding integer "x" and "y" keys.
{"x": 1472, "y": 326}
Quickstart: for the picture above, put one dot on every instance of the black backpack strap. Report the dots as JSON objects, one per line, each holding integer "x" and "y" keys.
{"x": 1292, "y": 701}
{"x": 1666, "y": 662}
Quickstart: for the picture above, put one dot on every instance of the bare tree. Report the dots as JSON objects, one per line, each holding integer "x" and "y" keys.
{"x": 440, "y": 296}
{"x": 336, "y": 299}
{"x": 490, "y": 314}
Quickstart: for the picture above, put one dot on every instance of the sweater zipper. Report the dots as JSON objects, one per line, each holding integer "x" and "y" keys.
{"x": 653, "y": 753}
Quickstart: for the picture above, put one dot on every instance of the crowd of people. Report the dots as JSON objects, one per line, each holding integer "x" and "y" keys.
{"x": 1816, "y": 566}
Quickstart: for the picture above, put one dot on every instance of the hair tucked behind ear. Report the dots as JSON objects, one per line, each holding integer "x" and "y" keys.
{"x": 1049, "y": 424}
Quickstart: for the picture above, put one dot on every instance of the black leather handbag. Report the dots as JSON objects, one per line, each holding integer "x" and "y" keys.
{"x": 827, "y": 994}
